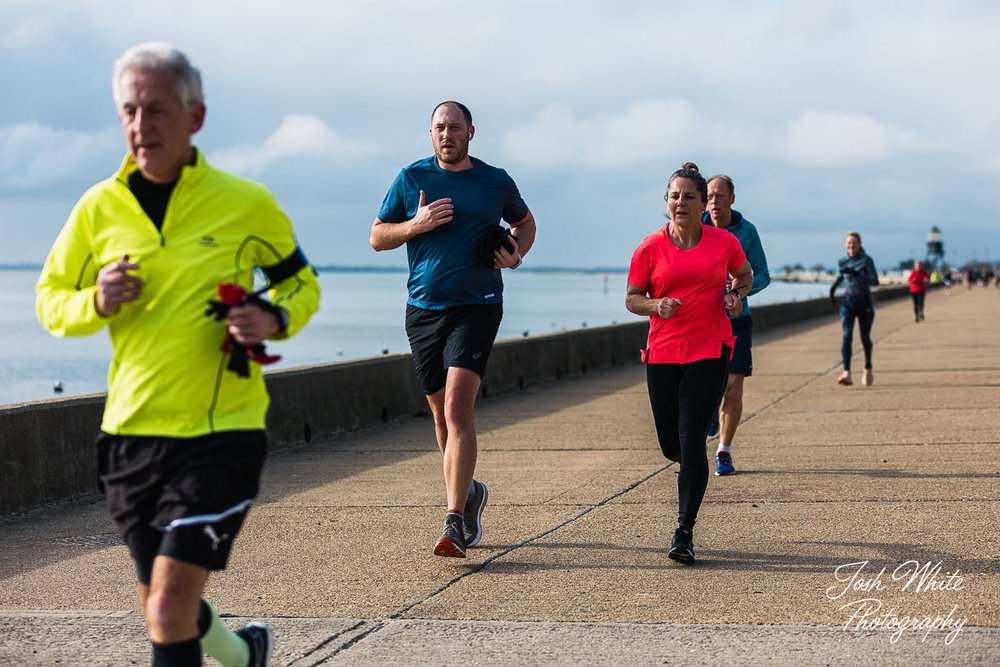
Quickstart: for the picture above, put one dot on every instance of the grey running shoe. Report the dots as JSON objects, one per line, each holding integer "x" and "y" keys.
{"x": 474, "y": 513}
{"x": 261, "y": 641}
{"x": 451, "y": 544}
{"x": 682, "y": 548}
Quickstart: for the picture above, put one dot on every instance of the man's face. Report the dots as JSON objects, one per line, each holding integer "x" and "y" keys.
{"x": 720, "y": 200}
{"x": 450, "y": 135}
{"x": 156, "y": 124}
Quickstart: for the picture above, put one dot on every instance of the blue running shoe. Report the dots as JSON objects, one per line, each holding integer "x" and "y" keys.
{"x": 724, "y": 464}
{"x": 474, "y": 514}
{"x": 713, "y": 428}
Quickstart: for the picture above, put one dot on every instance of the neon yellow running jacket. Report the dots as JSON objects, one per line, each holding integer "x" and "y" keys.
{"x": 168, "y": 374}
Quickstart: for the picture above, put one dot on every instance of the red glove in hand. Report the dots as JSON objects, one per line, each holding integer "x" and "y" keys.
{"x": 231, "y": 295}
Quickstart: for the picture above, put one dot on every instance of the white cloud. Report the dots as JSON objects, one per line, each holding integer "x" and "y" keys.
{"x": 829, "y": 19}
{"x": 608, "y": 96}
{"x": 836, "y": 138}
{"x": 645, "y": 131}
{"x": 298, "y": 136}
{"x": 549, "y": 142}
{"x": 35, "y": 155}
{"x": 30, "y": 34}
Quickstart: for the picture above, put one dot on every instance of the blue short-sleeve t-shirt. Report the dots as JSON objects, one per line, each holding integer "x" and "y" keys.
{"x": 445, "y": 265}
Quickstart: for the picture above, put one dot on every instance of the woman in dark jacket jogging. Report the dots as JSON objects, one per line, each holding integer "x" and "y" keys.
{"x": 858, "y": 276}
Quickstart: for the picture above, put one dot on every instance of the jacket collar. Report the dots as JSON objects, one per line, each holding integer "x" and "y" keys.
{"x": 706, "y": 218}
{"x": 189, "y": 172}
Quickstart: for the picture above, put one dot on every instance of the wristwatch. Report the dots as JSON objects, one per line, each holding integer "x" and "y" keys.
{"x": 282, "y": 318}
{"x": 519, "y": 260}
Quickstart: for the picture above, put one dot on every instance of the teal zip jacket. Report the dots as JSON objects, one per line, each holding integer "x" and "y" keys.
{"x": 747, "y": 235}
{"x": 168, "y": 374}
{"x": 857, "y": 274}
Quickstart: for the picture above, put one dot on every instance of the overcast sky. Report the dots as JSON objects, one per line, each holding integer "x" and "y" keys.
{"x": 875, "y": 116}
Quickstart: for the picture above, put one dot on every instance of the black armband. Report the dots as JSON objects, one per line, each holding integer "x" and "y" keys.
{"x": 286, "y": 268}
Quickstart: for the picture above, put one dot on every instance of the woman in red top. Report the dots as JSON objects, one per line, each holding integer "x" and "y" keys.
{"x": 919, "y": 279}
{"x": 679, "y": 277}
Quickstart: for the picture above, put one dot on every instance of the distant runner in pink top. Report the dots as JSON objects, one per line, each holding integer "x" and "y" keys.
{"x": 680, "y": 278}
{"x": 918, "y": 279}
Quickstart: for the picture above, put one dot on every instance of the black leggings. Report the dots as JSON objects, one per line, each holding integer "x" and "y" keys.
{"x": 918, "y": 304}
{"x": 684, "y": 398}
{"x": 862, "y": 310}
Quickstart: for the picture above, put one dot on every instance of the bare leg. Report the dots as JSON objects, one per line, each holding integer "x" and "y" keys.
{"x": 732, "y": 409}
{"x": 172, "y": 600}
{"x": 436, "y": 402}
{"x": 454, "y": 423}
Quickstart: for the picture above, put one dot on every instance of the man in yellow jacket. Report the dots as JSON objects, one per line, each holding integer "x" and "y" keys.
{"x": 183, "y": 440}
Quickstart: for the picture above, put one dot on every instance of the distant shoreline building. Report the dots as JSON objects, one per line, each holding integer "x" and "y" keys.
{"x": 935, "y": 249}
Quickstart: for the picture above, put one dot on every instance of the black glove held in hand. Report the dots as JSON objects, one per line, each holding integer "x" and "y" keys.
{"x": 492, "y": 240}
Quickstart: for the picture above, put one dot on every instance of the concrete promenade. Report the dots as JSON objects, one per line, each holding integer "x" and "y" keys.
{"x": 852, "y": 506}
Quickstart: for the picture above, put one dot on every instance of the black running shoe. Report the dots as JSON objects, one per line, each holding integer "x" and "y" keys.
{"x": 451, "y": 544}
{"x": 261, "y": 641}
{"x": 474, "y": 513}
{"x": 682, "y": 548}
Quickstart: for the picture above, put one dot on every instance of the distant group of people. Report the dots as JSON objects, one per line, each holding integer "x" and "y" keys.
{"x": 164, "y": 253}
{"x": 983, "y": 274}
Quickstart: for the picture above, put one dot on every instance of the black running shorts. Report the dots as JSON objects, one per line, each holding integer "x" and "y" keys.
{"x": 742, "y": 361}
{"x": 461, "y": 336}
{"x": 180, "y": 497}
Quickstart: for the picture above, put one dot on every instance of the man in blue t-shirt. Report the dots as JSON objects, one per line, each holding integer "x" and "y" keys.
{"x": 446, "y": 209}
{"x": 720, "y": 213}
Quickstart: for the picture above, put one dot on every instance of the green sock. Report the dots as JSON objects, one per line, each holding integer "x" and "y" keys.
{"x": 219, "y": 641}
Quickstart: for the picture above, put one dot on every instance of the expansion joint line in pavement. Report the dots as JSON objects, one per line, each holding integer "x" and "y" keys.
{"x": 381, "y": 625}
{"x": 814, "y": 378}
{"x": 481, "y": 566}
{"x": 326, "y": 642}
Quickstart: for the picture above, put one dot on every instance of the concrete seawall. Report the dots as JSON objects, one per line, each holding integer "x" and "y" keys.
{"x": 46, "y": 447}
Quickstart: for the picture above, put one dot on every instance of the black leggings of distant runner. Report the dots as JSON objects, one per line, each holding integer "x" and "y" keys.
{"x": 918, "y": 304}
{"x": 684, "y": 398}
{"x": 860, "y": 308}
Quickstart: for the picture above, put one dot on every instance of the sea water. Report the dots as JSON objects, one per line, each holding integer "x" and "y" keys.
{"x": 361, "y": 315}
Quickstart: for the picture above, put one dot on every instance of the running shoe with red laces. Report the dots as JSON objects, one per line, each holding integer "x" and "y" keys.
{"x": 451, "y": 544}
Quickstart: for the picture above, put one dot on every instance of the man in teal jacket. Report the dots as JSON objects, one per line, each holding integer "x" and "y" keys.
{"x": 720, "y": 213}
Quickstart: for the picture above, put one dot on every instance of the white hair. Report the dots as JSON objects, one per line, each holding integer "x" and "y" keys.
{"x": 159, "y": 55}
